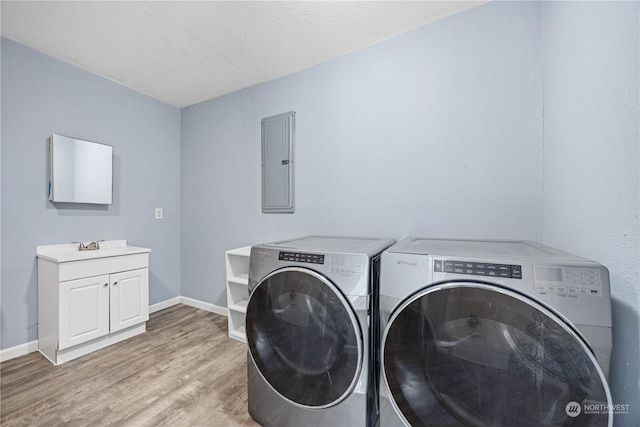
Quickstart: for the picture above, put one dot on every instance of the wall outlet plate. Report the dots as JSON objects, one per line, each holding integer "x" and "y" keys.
{"x": 159, "y": 213}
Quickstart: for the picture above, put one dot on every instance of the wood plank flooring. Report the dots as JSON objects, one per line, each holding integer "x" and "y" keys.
{"x": 184, "y": 371}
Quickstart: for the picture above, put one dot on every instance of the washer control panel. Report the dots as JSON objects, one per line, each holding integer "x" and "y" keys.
{"x": 348, "y": 265}
{"x": 567, "y": 281}
{"x": 507, "y": 271}
{"x": 301, "y": 257}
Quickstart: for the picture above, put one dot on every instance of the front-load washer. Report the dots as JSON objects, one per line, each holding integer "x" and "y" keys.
{"x": 493, "y": 333}
{"x": 311, "y": 351}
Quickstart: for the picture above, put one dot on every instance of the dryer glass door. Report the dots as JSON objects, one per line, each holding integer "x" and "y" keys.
{"x": 479, "y": 355}
{"x": 304, "y": 338}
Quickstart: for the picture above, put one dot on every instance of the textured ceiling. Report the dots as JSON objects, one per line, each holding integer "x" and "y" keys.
{"x": 185, "y": 52}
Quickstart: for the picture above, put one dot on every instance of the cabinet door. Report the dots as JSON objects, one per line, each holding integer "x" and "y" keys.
{"x": 129, "y": 298}
{"x": 84, "y": 310}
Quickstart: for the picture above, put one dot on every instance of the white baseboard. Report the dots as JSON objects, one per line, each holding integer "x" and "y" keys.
{"x": 204, "y": 306}
{"x": 164, "y": 304}
{"x": 18, "y": 350}
{"x": 30, "y": 347}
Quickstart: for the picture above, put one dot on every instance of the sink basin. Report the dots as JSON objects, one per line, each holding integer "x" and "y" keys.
{"x": 69, "y": 252}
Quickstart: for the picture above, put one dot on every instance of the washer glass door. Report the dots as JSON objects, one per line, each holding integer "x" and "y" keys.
{"x": 304, "y": 337}
{"x": 466, "y": 353}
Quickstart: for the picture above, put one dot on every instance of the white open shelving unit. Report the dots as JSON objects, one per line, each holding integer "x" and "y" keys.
{"x": 237, "y": 267}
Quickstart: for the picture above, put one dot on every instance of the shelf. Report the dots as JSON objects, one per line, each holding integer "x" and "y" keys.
{"x": 240, "y": 306}
{"x": 240, "y": 279}
{"x": 237, "y": 281}
{"x": 239, "y": 334}
{"x": 244, "y": 252}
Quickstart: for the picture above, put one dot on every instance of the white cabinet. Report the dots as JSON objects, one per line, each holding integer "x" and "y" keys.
{"x": 84, "y": 310}
{"x": 89, "y": 300}
{"x": 129, "y": 299}
{"x": 237, "y": 269}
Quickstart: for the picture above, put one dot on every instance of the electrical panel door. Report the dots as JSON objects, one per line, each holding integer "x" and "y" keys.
{"x": 277, "y": 163}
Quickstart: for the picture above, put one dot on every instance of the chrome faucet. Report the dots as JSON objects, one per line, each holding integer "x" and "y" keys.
{"x": 91, "y": 246}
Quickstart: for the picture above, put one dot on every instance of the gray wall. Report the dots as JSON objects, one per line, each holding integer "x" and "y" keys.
{"x": 591, "y": 155}
{"x": 441, "y": 132}
{"x": 0, "y": 196}
{"x": 436, "y": 132}
{"x": 41, "y": 96}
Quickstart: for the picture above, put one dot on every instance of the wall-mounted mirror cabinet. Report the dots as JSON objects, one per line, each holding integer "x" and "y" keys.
{"x": 80, "y": 171}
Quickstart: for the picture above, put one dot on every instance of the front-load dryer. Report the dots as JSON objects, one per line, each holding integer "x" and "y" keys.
{"x": 493, "y": 333}
{"x": 311, "y": 351}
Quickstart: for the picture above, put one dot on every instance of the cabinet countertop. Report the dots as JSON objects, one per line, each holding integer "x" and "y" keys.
{"x": 69, "y": 252}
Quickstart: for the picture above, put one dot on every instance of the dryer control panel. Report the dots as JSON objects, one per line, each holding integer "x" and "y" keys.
{"x": 301, "y": 257}
{"x": 507, "y": 271}
{"x": 567, "y": 281}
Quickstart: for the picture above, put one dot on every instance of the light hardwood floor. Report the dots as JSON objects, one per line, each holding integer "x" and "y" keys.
{"x": 184, "y": 371}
